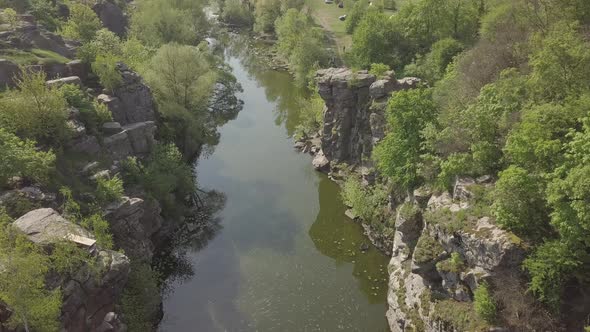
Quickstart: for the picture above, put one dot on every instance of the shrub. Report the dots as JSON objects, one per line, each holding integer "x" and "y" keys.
{"x": 427, "y": 249}
{"x": 311, "y": 116}
{"x": 236, "y": 13}
{"x": 109, "y": 190}
{"x": 104, "y": 42}
{"x": 21, "y": 158}
{"x": 105, "y": 67}
{"x": 9, "y": 16}
{"x": 484, "y": 304}
{"x": 378, "y": 69}
{"x": 100, "y": 228}
{"x": 70, "y": 208}
{"x": 82, "y": 24}
{"x": 34, "y": 110}
{"x": 366, "y": 202}
{"x": 141, "y": 298}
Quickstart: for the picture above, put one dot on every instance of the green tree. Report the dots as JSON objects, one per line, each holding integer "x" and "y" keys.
{"x": 519, "y": 204}
{"x": 433, "y": 65}
{"x": 9, "y": 16}
{"x": 355, "y": 15}
{"x": 399, "y": 154}
{"x": 21, "y": 158}
{"x": 105, "y": 67}
{"x": 484, "y": 304}
{"x": 35, "y": 110}
{"x": 82, "y": 24}
{"x": 22, "y": 284}
{"x": 374, "y": 39}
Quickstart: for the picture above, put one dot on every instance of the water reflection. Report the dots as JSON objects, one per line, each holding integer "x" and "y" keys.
{"x": 286, "y": 258}
{"x": 338, "y": 237}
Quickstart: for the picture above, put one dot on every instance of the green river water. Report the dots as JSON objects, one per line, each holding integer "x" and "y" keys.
{"x": 286, "y": 258}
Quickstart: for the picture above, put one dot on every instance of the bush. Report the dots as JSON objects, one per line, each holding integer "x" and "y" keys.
{"x": 311, "y": 116}
{"x": 378, "y": 69}
{"x": 109, "y": 190}
{"x": 103, "y": 42}
{"x": 366, "y": 202}
{"x": 82, "y": 24}
{"x": 484, "y": 304}
{"x": 21, "y": 158}
{"x": 100, "y": 228}
{"x": 519, "y": 205}
{"x": 234, "y": 12}
{"x": 34, "y": 110}
{"x": 105, "y": 67}
{"x": 10, "y": 17}
{"x": 141, "y": 298}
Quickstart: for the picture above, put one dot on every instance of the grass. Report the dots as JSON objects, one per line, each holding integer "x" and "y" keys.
{"x": 32, "y": 56}
{"x": 327, "y": 15}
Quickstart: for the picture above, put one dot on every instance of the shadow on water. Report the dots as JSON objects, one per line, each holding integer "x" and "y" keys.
{"x": 338, "y": 237}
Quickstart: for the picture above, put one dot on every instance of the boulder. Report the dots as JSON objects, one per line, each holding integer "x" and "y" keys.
{"x": 135, "y": 100}
{"x": 382, "y": 88}
{"x": 111, "y": 128}
{"x": 8, "y": 70}
{"x": 46, "y": 226}
{"x": 78, "y": 68}
{"x": 320, "y": 162}
{"x": 75, "y": 80}
{"x": 111, "y": 16}
{"x": 85, "y": 144}
{"x": 118, "y": 145}
{"x": 141, "y": 137}
{"x": 77, "y": 128}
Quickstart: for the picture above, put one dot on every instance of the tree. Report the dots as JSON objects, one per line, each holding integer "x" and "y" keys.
{"x": 22, "y": 283}
{"x": 519, "y": 205}
{"x": 82, "y": 24}
{"x": 373, "y": 41}
{"x": 35, "y": 110}
{"x": 433, "y": 65}
{"x": 21, "y": 158}
{"x": 9, "y": 16}
{"x": 355, "y": 15}
{"x": 105, "y": 67}
{"x": 399, "y": 154}
{"x": 158, "y": 22}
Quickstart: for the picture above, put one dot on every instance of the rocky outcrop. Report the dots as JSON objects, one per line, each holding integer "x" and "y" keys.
{"x": 354, "y": 120}
{"x": 132, "y": 101}
{"x": 438, "y": 261}
{"x": 8, "y": 70}
{"x": 135, "y": 139}
{"x": 133, "y": 222}
{"x": 29, "y": 35}
{"x": 90, "y": 294}
{"x": 111, "y": 16}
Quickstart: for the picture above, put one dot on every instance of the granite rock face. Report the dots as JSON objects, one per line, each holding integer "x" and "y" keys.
{"x": 135, "y": 100}
{"x": 354, "y": 119}
{"x": 111, "y": 16}
{"x": 422, "y": 273}
{"x": 89, "y": 295}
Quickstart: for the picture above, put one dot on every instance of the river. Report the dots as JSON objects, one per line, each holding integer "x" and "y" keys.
{"x": 286, "y": 257}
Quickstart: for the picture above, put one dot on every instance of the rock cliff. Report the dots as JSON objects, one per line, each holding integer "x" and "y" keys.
{"x": 354, "y": 119}
{"x": 89, "y": 294}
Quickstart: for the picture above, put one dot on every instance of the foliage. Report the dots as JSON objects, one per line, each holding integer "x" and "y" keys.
{"x": 355, "y": 15}
{"x": 453, "y": 264}
{"x": 427, "y": 249}
{"x": 105, "y": 67}
{"x": 141, "y": 299}
{"x": 373, "y": 41}
{"x": 34, "y": 110}
{"x": 22, "y": 283}
{"x": 9, "y": 16}
{"x": 519, "y": 205}
{"x": 100, "y": 228}
{"x": 378, "y": 69}
{"x": 484, "y": 303}
{"x": 82, "y": 24}
{"x": 236, "y": 13}
{"x": 311, "y": 115}
{"x": 399, "y": 153}
{"x": 367, "y": 202}
{"x": 182, "y": 80}
{"x": 103, "y": 42}
{"x": 433, "y": 65}
{"x": 22, "y": 158}
{"x": 109, "y": 190}
{"x": 301, "y": 44}
{"x": 158, "y": 22}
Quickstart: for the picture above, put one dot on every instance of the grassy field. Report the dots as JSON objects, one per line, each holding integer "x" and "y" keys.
{"x": 327, "y": 15}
